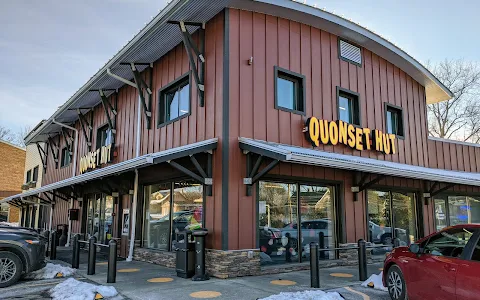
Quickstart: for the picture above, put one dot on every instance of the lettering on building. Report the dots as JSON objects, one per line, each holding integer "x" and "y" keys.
{"x": 96, "y": 158}
{"x": 339, "y": 132}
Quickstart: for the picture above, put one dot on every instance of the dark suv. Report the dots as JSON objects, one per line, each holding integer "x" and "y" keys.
{"x": 22, "y": 250}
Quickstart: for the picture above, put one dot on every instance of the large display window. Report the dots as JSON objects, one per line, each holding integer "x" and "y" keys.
{"x": 391, "y": 215}
{"x": 171, "y": 208}
{"x": 455, "y": 209}
{"x": 290, "y": 216}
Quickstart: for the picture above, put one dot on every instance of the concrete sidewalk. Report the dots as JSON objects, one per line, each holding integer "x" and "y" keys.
{"x": 140, "y": 280}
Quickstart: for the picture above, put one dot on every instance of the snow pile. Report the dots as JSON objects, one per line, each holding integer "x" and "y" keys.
{"x": 306, "y": 295}
{"x": 51, "y": 271}
{"x": 8, "y": 224}
{"x": 73, "y": 289}
{"x": 376, "y": 281}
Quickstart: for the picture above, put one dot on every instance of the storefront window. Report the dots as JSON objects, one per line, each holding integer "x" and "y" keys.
{"x": 165, "y": 216}
{"x": 281, "y": 207}
{"x": 99, "y": 217}
{"x": 453, "y": 210}
{"x": 440, "y": 214}
{"x": 387, "y": 210}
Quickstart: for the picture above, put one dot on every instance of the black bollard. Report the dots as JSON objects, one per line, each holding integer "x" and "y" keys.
{"x": 76, "y": 252}
{"x": 200, "y": 274}
{"x": 53, "y": 245}
{"x": 314, "y": 270}
{"x": 112, "y": 262}
{"x": 362, "y": 260}
{"x": 92, "y": 253}
{"x": 46, "y": 233}
{"x": 321, "y": 243}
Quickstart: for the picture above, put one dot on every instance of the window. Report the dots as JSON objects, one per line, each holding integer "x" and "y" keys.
{"x": 35, "y": 174}
{"x": 289, "y": 91}
{"x": 349, "y": 52}
{"x": 348, "y": 106}
{"x": 29, "y": 176}
{"x": 65, "y": 157}
{"x": 456, "y": 209}
{"x": 394, "y": 119}
{"x": 175, "y": 101}
{"x": 448, "y": 243}
{"x": 169, "y": 210}
{"x": 104, "y": 136}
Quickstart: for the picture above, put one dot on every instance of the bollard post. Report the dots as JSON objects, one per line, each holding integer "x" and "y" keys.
{"x": 314, "y": 270}
{"x": 112, "y": 261}
{"x": 362, "y": 260}
{"x": 321, "y": 243}
{"x": 200, "y": 274}
{"x": 76, "y": 252}
{"x": 53, "y": 245}
{"x": 47, "y": 235}
{"x": 92, "y": 252}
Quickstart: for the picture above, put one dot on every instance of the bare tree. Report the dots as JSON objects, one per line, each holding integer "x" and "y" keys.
{"x": 459, "y": 117}
{"x": 6, "y": 134}
{"x": 19, "y": 137}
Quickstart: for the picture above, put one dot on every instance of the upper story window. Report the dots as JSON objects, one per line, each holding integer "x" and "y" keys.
{"x": 289, "y": 91}
{"x": 394, "y": 119}
{"x": 35, "y": 174}
{"x": 348, "y": 106}
{"x": 349, "y": 52}
{"x": 29, "y": 176}
{"x": 104, "y": 136}
{"x": 65, "y": 158}
{"x": 174, "y": 101}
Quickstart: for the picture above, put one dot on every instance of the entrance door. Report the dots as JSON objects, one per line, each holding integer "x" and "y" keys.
{"x": 99, "y": 220}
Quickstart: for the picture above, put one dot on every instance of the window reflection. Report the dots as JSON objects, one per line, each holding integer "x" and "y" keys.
{"x": 455, "y": 209}
{"x": 157, "y": 212}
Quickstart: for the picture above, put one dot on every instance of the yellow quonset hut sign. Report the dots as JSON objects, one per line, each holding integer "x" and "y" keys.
{"x": 339, "y": 132}
{"x": 96, "y": 158}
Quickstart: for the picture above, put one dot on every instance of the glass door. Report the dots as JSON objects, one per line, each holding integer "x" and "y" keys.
{"x": 403, "y": 206}
{"x": 99, "y": 217}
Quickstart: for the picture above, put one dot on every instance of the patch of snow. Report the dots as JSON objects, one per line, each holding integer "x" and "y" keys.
{"x": 73, "y": 289}
{"x": 8, "y": 224}
{"x": 306, "y": 295}
{"x": 50, "y": 271}
{"x": 376, "y": 280}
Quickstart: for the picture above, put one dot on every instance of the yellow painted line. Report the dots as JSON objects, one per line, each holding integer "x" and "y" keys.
{"x": 128, "y": 270}
{"x": 365, "y": 296}
{"x": 160, "y": 279}
{"x": 102, "y": 263}
{"x": 283, "y": 282}
{"x": 205, "y": 294}
{"x": 341, "y": 275}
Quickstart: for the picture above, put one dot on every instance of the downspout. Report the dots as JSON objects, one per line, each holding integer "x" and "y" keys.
{"x": 133, "y": 212}
{"x": 75, "y": 150}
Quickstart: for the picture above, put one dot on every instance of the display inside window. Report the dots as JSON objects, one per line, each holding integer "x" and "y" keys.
{"x": 104, "y": 136}
{"x": 281, "y": 207}
{"x": 175, "y": 101}
{"x": 65, "y": 157}
{"x": 455, "y": 209}
{"x": 348, "y": 108}
{"x": 167, "y": 216}
{"x": 289, "y": 93}
{"x": 394, "y": 120}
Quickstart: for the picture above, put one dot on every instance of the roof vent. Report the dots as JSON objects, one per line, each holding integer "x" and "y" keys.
{"x": 350, "y": 52}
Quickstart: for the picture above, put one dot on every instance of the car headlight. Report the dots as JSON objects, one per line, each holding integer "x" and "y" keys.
{"x": 32, "y": 242}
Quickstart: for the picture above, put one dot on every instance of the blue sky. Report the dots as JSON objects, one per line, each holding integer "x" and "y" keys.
{"x": 49, "y": 49}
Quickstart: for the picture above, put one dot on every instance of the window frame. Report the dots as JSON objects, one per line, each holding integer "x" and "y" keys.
{"x": 400, "y": 112}
{"x": 301, "y": 90}
{"x": 174, "y": 85}
{"x": 100, "y": 129}
{"x": 35, "y": 176}
{"x": 28, "y": 177}
{"x": 62, "y": 158}
{"x": 346, "y": 59}
{"x": 346, "y": 93}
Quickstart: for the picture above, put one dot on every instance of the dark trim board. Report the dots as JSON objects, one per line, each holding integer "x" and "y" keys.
{"x": 302, "y": 79}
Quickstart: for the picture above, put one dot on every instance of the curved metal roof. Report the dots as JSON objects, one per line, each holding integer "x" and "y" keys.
{"x": 158, "y": 37}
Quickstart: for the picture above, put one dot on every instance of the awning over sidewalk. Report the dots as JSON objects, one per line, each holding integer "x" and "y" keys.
{"x": 286, "y": 153}
{"x": 135, "y": 163}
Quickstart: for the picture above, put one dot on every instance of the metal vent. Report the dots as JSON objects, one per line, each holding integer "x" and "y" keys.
{"x": 350, "y": 52}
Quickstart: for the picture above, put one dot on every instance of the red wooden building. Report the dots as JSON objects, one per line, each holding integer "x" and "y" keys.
{"x": 270, "y": 123}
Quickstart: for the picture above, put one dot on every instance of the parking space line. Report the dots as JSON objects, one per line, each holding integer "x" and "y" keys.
{"x": 365, "y": 296}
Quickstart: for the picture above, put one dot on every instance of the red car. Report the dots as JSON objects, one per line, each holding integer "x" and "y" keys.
{"x": 443, "y": 265}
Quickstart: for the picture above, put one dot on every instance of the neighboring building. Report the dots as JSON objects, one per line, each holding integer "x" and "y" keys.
{"x": 251, "y": 129}
{"x": 12, "y": 161}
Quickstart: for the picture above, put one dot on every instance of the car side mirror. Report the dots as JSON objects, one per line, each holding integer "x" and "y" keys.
{"x": 414, "y": 248}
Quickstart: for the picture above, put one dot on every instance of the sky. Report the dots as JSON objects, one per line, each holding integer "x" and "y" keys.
{"x": 49, "y": 49}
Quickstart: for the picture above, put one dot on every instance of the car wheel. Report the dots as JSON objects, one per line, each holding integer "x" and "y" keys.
{"x": 11, "y": 268}
{"x": 396, "y": 285}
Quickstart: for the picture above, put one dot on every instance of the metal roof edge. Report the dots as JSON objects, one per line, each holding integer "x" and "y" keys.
{"x": 13, "y": 145}
{"x": 453, "y": 141}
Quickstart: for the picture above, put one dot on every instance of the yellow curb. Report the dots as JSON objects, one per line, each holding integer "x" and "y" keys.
{"x": 128, "y": 270}
{"x": 160, "y": 279}
{"x": 205, "y": 294}
{"x": 341, "y": 275}
{"x": 102, "y": 263}
{"x": 365, "y": 296}
{"x": 283, "y": 282}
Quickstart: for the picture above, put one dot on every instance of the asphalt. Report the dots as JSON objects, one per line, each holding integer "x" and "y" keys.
{"x": 140, "y": 280}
